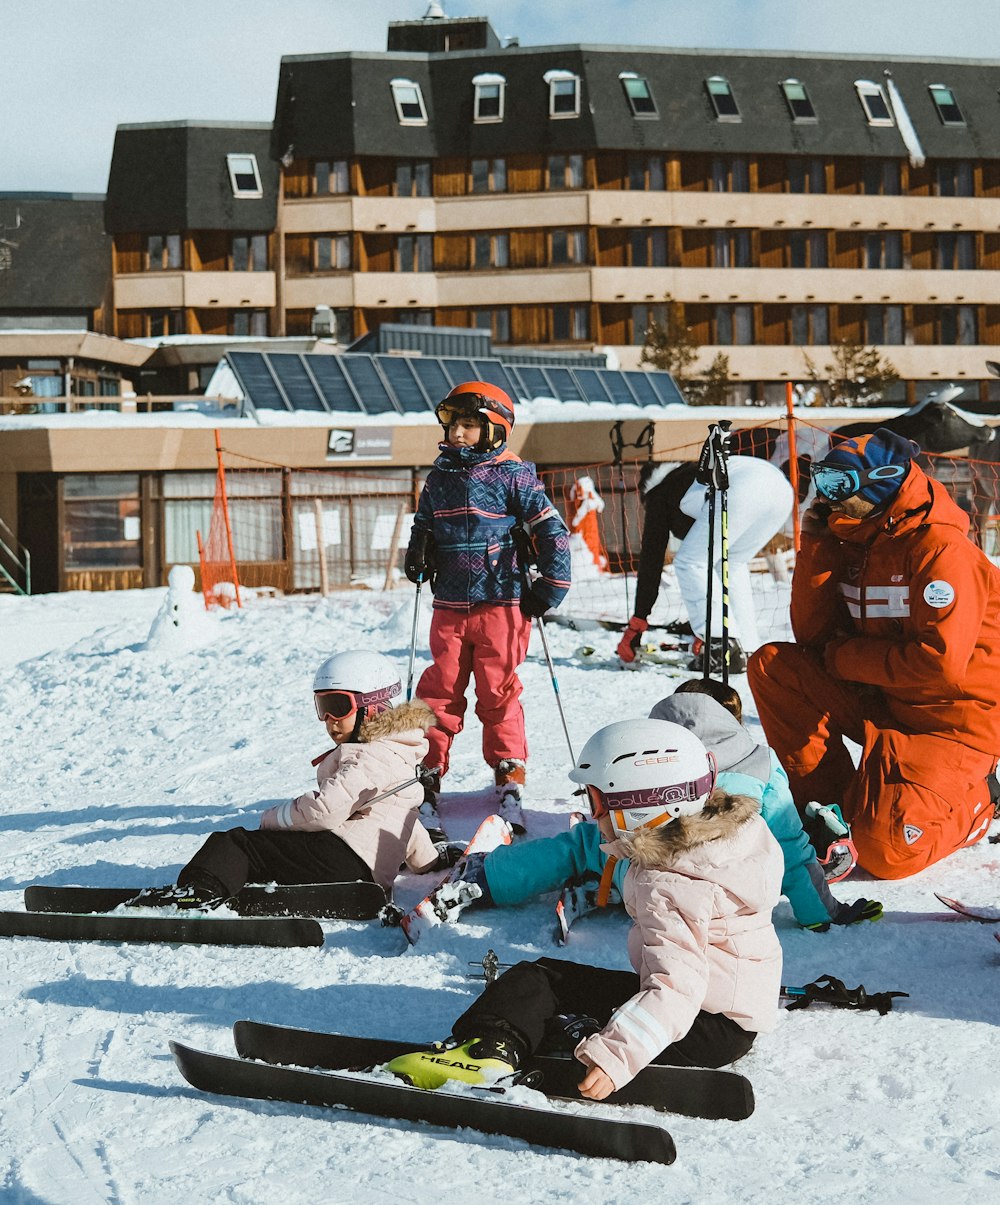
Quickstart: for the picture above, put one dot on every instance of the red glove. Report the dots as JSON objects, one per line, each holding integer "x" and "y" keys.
{"x": 629, "y": 643}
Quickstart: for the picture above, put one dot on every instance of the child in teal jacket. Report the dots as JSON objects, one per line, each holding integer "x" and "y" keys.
{"x": 514, "y": 873}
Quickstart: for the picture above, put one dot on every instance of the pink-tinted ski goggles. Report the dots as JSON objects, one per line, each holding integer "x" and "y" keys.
{"x": 339, "y": 704}
{"x": 604, "y": 802}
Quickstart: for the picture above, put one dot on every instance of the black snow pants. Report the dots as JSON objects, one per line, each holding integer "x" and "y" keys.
{"x": 231, "y": 859}
{"x": 529, "y": 995}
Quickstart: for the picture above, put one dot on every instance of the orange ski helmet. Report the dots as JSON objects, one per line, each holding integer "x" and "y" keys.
{"x": 481, "y": 400}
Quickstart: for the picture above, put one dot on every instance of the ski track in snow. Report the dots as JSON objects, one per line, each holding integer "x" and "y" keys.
{"x": 119, "y": 758}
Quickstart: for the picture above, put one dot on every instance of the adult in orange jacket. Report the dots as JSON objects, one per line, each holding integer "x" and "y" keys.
{"x": 896, "y": 614}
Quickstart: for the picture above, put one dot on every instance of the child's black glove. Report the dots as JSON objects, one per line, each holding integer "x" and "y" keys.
{"x": 421, "y": 561}
{"x": 532, "y": 604}
{"x": 449, "y": 853}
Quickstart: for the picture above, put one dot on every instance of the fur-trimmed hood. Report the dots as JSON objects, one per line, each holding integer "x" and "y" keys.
{"x": 660, "y": 848}
{"x": 404, "y": 718}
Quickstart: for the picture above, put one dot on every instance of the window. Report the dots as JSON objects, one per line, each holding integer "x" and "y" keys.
{"x": 884, "y": 325}
{"x": 881, "y": 177}
{"x": 489, "y": 175}
{"x": 488, "y": 97}
{"x": 255, "y": 505}
{"x": 244, "y": 176}
{"x": 648, "y": 248}
{"x": 955, "y": 178}
{"x": 163, "y": 251}
{"x": 646, "y": 173}
{"x": 956, "y": 251}
{"x": 958, "y": 325}
{"x": 414, "y": 253}
{"x": 564, "y": 93}
{"x": 331, "y": 176}
{"x": 946, "y": 104}
{"x": 797, "y": 99}
{"x": 102, "y": 525}
{"x": 730, "y": 174}
{"x": 414, "y": 179}
{"x": 723, "y": 99}
{"x": 810, "y": 325}
{"x": 806, "y": 175}
{"x": 332, "y": 252}
{"x": 248, "y": 322}
{"x": 565, "y": 171}
{"x": 807, "y": 249}
{"x": 491, "y": 250}
{"x": 732, "y": 249}
{"x": 569, "y": 323}
{"x": 409, "y": 102}
{"x": 249, "y": 253}
{"x": 410, "y": 317}
{"x": 166, "y": 322}
{"x": 734, "y": 325}
{"x": 643, "y": 317}
{"x": 873, "y": 102}
{"x": 568, "y": 247}
{"x": 884, "y": 250}
{"x": 497, "y": 322}
{"x": 638, "y": 94}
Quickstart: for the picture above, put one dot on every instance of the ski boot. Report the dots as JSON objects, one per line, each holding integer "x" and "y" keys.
{"x": 830, "y": 835}
{"x": 480, "y": 1061}
{"x": 577, "y": 898}
{"x": 175, "y": 896}
{"x": 467, "y": 885}
{"x": 430, "y": 818}
{"x": 509, "y": 779}
{"x": 737, "y": 657}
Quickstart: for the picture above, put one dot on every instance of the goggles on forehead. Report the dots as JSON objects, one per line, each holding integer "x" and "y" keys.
{"x": 604, "y": 802}
{"x": 339, "y": 704}
{"x": 836, "y": 484}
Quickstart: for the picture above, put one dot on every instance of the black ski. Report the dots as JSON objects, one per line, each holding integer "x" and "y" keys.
{"x": 333, "y": 901}
{"x": 482, "y": 1110}
{"x": 198, "y": 929}
{"x": 689, "y": 1091}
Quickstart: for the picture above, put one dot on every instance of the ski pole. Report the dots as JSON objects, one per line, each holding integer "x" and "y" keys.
{"x": 724, "y": 554}
{"x": 417, "y": 779}
{"x": 709, "y": 587}
{"x": 555, "y": 687}
{"x": 413, "y": 642}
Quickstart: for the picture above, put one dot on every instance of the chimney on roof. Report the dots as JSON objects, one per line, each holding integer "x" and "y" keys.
{"x": 436, "y": 32}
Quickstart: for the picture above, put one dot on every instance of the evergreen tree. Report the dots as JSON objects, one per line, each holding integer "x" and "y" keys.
{"x": 858, "y": 376}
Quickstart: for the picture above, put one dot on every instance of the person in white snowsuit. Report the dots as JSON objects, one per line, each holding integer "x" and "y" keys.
{"x": 759, "y": 502}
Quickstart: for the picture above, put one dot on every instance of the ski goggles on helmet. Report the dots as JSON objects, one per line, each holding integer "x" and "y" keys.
{"x": 837, "y": 484}
{"x": 602, "y": 803}
{"x": 468, "y": 405}
{"x": 339, "y": 704}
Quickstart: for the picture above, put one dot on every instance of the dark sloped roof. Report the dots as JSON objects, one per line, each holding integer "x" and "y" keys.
{"x": 54, "y": 254}
{"x": 316, "y": 117}
{"x": 173, "y": 176}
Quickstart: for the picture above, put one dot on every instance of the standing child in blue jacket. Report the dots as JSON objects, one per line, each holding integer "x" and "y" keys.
{"x": 463, "y": 542}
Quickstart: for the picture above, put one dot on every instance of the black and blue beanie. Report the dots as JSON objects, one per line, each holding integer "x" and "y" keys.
{"x": 866, "y": 452}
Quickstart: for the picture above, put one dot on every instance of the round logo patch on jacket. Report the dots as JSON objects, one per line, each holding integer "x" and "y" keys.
{"x": 939, "y": 594}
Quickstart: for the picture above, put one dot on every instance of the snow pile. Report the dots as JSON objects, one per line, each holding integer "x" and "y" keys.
{"x": 115, "y": 765}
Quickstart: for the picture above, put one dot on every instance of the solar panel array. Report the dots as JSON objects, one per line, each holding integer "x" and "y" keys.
{"x": 379, "y": 384}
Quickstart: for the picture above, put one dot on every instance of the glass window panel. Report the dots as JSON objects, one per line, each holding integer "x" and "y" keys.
{"x": 409, "y": 102}
{"x": 723, "y": 99}
{"x": 657, "y": 175}
{"x": 481, "y": 251}
{"x": 968, "y": 333}
{"x": 181, "y": 521}
{"x": 557, "y": 171}
{"x": 94, "y": 533}
{"x": 101, "y": 485}
{"x": 488, "y": 102}
{"x": 404, "y": 179}
{"x": 743, "y": 324}
{"x": 480, "y": 175}
{"x": 817, "y": 249}
{"x": 724, "y": 324}
{"x": 797, "y": 245}
{"x": 501, "y": 250}
{"x": 639, "y": 95}
{"x": 636, "y": 167}
{"x": 947, "y": 106}
{"x": 425, "y": 253}
{"x": 657, "y": 248}
{"x": 574, "y": 171}
{"x": 188, "y": 485}
{"x": 740, "y": 171}
{"x": 874, "y": 103}
{"x": 963, "y": 178}
{"x": 560, "y": 247}
{"x": 243, "y": 175}
{"x": 797, "y": 98}
{"x": 499, "y": 182}
{"x": 564, "y": 97}
{"x": 874, "y": 324}
{"x": 893, "y": 324}
{"x": 821, "y": 324}
{"x": 422, "y": 179}
{"x": 965, "y": 251}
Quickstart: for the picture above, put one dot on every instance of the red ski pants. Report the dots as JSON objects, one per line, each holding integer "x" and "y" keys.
{"x": 488, "y": 643}
{"x": 913, "y": 799}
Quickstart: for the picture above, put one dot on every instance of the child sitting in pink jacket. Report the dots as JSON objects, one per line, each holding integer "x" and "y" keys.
{"x": 704, "y": 875}
{"x": 341, "y": 832}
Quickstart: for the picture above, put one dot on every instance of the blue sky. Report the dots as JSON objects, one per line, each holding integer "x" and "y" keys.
{"x": 74, "y": 69}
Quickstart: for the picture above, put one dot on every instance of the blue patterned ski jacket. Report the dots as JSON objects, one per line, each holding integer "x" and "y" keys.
{"x": 470, "y": 504}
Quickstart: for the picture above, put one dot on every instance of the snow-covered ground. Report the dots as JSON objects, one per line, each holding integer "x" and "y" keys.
{"x": 118, "y": 757}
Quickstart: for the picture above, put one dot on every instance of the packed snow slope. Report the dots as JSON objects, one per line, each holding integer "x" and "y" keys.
{"x": 121, "y": 753}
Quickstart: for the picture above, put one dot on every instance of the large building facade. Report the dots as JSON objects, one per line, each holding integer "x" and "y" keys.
{"x": 557, "y": 195}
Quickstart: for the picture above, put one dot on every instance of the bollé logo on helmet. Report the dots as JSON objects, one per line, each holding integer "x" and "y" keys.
{"x": 650, "y": 797}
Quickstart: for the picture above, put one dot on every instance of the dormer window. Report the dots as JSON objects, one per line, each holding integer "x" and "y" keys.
{"x": 874, "y": 103}
{"x": 244, "y": 176}
{"x": 946, "y": 104}
{"x": 797, "y": 99}
{"x": 720, "y": 93}
{"x": 488, "y": 101}
{"x": 564, "y": 93}
{"x": 409, "y": 102}
{"x": 638, "y": 94}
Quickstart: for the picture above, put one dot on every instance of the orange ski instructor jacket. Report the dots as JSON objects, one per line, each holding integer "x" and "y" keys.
{"x": 905, "y": 602}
